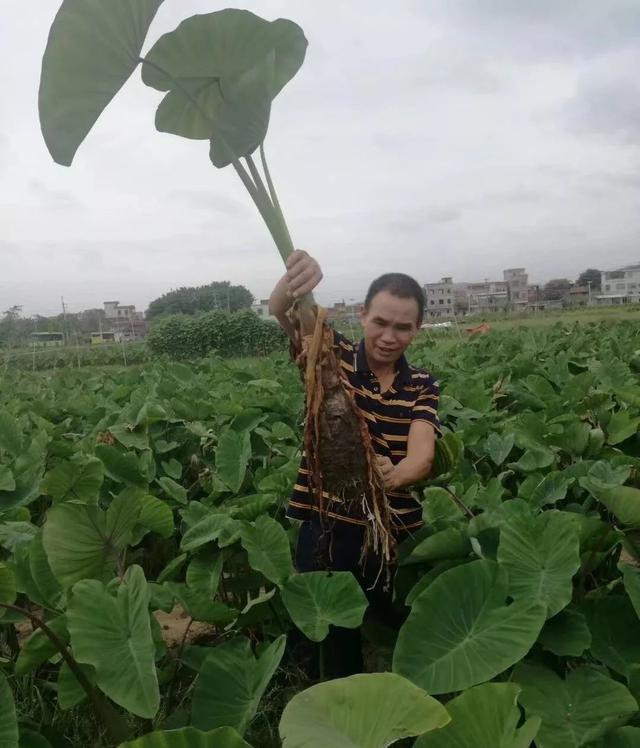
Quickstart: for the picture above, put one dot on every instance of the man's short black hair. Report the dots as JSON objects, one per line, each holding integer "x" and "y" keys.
{"x": 400, "y": 285}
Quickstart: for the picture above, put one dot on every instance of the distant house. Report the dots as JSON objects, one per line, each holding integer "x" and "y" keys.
{"x": 46, "y": 339}
{"x": 576, "y": 296}
{"x": 620, "y": 286}
{"x": 261, "y": 308}
{"x": 124, "y": 321}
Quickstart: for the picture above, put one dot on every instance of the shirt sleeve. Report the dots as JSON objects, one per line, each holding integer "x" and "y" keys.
{"x": 426, "y": 407}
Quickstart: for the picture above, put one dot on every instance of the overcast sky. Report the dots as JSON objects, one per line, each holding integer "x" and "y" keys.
{"x": 434, "y": 137}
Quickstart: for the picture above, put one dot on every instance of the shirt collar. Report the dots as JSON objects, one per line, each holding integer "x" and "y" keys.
{"x": 361, "y": 365}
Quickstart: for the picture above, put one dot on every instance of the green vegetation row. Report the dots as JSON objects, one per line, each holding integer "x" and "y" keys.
{"x": 124, "y": 494}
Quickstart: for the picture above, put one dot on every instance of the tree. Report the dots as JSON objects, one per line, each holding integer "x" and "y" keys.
{"x": 590, "y": 275}
{"x": 556, "y": 288}
{"x": 194, "y": 299}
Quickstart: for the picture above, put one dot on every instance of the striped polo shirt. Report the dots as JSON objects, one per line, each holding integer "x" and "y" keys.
{"x": 412, "y": 396}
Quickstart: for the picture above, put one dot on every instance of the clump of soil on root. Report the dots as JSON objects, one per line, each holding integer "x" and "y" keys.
{"x": 337, "y": 442}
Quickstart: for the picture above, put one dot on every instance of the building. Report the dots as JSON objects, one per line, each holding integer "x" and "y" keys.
{"x": 439, "y": 299}
{"x": 261, "y": 308}
{"x": 517, "y": 282}
{"x": 576, "y": 296}
{"x": 124, "y": 321}
{"x": 620, "y": 286}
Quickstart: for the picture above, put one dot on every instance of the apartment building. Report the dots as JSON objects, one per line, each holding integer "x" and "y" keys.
{"x": 439, "y": 299}
{"x": 620, "y": 286}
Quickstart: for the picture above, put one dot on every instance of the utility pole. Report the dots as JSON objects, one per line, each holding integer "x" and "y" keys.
{"x": 64, "y": 316}
{"x": 589, "y": 284}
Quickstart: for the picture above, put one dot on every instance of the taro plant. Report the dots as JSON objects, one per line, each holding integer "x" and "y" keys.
{"x": 219, "y": 73}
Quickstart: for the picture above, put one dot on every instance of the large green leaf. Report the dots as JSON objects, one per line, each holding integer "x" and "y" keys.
{"x": 232, "y": 457}
{"x": 499, "y": 447}
{"x": 93, "y": 48}
{"x": 474, "y": 634}
{"x": 317, "y": 599}
{"x": 268, "y": 548}
{"x": 83, "y": 541}
{"x": 624, "y": 737}
{"x": 443, "y": 545}
{"x": 39, "y": 648}
{"x": 485, "y": 716}
{"x": 574, "y": 711}
{"x": 75, "y": 480}
{"x": 10, "y": 433}
{"x": 208, "y": 529}
{"x": 70, "y": 692}
{"x": 631, "y": 576}
{"x": 615, "y": 632}
{"x": 8, "y": 719}
{"x": 231, "y": 683}
{"x": 8, "y": 590}
{"x": 122, "y": 467}
{"x": 189, "y": 737}
{"x": 363, "y": 711}
{"x": 7, "y": 481}
{"x": 221, "y": 71}
{"x": 541, "y": 554}
{"x": 113, "y": 634}
{"x": 566, "y": 634}
{"x": 623, "y": 501}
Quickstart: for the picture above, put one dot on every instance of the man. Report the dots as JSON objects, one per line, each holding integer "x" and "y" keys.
{"x": 400, "y": 406}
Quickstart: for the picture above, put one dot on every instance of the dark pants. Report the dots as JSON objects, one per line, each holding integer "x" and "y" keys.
{"x": 337, "y": 547}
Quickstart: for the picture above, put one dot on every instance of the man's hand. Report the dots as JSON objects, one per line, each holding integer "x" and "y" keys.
{"x": 388, "y": 471}
{"x": 303, "y": 274}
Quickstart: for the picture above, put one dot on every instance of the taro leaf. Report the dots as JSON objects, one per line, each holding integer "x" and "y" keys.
{"x": 370, "y": 710}
{"x": 631, "y": 576}
{"x": 443, "y": 545}
{"x": 534, "y": 458}
{"x": 8, "y": 718}
{"x": 70, "y": 692}
{"x": 10, "y": 435}
{"x": 541, "y": 555}
{"x": 615, "y": 632}
{"x": 84, "y": 542}
{"x": 624, "y": 737}
{"x": 203, "y": 573}
{"x": 172, "y": 468}
{"x": 485, "y": 716}
{"x": 8, "y": 590}
{"x": 92, "y": 50}
{"x": 566, "y": 634}
{"x": 621, "y": 426}
{"x": 575, "y": 711}
{"x": 208, "y": 529}
{"x": 189, "y": 737}
{"x": 200, "y": 606}
{"x": 32, "y": 739}
{"x": 224, "y": 69}
{"x": 552, "y": 488}
{"x": 499, "y": 447}
{"x": 15, "y": 534}
{"x": 75, "y": 480}
{"x": 7, "y": 481}
{"x": 44, "y": 588}
{"x": 155, "y": 515}
{"x": 174, "y": 490}
{"x": 122, "y": 467}
{"x": 474, "y": 634}
{"x": 130, "y": 437}
{"x": 232, "y": 457}
{"x": 623, "y": 501}
{"x": 268, "y": 548}
{"x": 38, "y": 647}
{"x": 124, "y": 660}
{"x": 231, "y": 683}
{"x": 316, "y": 599}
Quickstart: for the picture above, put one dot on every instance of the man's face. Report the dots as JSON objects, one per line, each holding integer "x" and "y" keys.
{"x": 390, "y": 324}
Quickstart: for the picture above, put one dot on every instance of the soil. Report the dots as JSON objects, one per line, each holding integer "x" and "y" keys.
{"x": 178, "y": 627}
